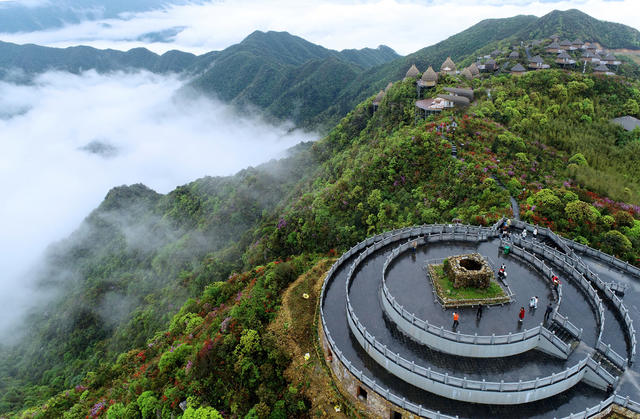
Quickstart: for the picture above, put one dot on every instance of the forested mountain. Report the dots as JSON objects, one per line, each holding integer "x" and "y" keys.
{"x": 574, "y": 24}
{"x": 124, "y": 337}
{"x": 290, "y": 78}
{"x": 170, "y": 304}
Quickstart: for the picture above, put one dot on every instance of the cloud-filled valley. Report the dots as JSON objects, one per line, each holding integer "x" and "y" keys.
{"x": 67, "y": 139}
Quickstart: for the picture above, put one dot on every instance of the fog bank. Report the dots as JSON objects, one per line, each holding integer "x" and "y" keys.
{"x": 67, "y": 139}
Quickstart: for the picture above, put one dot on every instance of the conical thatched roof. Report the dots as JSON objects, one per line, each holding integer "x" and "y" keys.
{"x": 601, "y": 68}
{"x": 467, "y": 73}
{"x": 448, "y": 65}
{"x": 474, "y": 69}
{"x": 518, "y": 68}
{"x": 386, "y": 89}
{"x": 429, "y": 75}
{"x": 514, "y": 54}
{"x": 412, "y": 72}
{"x": 379, "y": 97}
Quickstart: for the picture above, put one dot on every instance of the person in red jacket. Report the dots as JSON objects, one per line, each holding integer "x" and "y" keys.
{"x": 521, "y": 315}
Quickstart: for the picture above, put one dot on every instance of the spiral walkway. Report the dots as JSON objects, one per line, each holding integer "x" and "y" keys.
{"x": 391, "y": 346}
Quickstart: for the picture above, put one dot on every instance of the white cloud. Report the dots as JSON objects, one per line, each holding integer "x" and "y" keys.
{"x": 403, "y": 25}
{"x": 162, "y": 139}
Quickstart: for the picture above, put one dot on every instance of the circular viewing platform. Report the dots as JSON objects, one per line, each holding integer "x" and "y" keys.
{"x": 390, "y": 338}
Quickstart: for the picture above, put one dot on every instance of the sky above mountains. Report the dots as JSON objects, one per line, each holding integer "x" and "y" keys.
{"x": 202, "y": 26}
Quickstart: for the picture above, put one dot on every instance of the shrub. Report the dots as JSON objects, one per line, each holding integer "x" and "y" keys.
{"x": 623, "y": 219}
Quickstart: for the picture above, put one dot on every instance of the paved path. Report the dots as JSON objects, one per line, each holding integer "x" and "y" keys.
{"x": 364, "y": 294}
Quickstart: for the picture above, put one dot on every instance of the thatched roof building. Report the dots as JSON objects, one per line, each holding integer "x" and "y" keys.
{"x": 429, "y": 78}
{"x": 537, "y": 63}
{"x": 518, "y": 69}
{"x": 473, "y": 68}
{"x": 514, "y": 54}
{"x": 412, "y": 72}
{"x": 448, "y": 66}
{"x": 467, "y": 73}
{"x": 602, "y": 69}
{"x": 553, "y": 47}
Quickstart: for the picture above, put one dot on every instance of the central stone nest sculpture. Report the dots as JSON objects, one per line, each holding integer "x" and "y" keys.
{"x": 471, "y": 270}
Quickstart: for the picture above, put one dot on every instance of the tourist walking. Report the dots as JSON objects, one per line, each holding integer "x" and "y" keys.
{"x": 524, "y": 233}
{"x": 548, "y": 312}
{"x": 535, "y": 232}
{"x": 532, "y": 303}
{"x": 479, "y": 312}
{"x": 456, "y": 317}
{"x": 521, "y": 315}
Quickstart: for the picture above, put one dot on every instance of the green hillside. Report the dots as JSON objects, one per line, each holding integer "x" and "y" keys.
{"x": 173, "y": 298}
{"x": 574, "y": 24}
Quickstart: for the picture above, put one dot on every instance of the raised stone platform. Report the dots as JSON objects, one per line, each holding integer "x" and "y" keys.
{"x": 396, "y": 360}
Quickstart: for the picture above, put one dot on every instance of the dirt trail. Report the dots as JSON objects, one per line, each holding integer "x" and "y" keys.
{"x": 295, "y": 327}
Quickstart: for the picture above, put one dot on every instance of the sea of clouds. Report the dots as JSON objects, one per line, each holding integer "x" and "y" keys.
{"x": 66, "y": 139}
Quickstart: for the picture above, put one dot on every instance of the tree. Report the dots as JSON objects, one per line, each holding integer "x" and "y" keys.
{"x": 547, "y": 203}
{"x": 578, "y": 159}
{"x": 616, "y": 242}
{"x": 581, "y": 212}
{"x": 201, "y": 413}
{"x": 631, "y": 107}
{"x": 623, "y": 219}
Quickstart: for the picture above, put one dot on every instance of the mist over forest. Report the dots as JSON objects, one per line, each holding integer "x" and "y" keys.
{"x": 68, "y": 139}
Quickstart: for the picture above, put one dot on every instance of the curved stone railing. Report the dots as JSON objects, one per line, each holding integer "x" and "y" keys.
{"x": 457, "y": 343}
{"x": 369, "y": 382}
{"x": 568, "y": 264}
{"x": 474, "y": 391}
{"x": 460, "y": 388}
{"x": 611, "y": 355}
{"x": 625, "y": 402}
{"x": 604, "y": 257}
{"x": 587, "y": 278}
